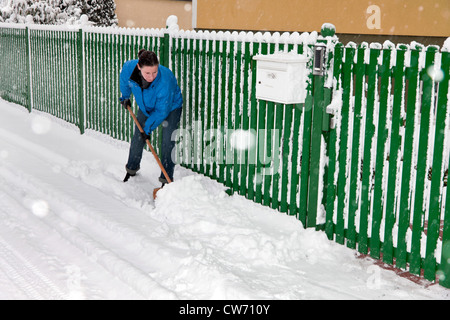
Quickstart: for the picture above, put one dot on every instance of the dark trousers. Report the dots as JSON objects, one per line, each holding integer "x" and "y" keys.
{"x": 138, "y": 143}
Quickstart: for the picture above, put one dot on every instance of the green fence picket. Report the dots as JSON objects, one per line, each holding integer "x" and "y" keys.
{"x": 217, "y": 134}
{"x": 380, "y": 158}
{"x": 287, "y": 155}
{"x": 406, "y": 192}
{"x": 188, "y": 93}
{"x": 80, "y": 85}
{"x": 246, "y": 115}
{"x": 202, "y": 107}
{"x": 306, "y": 145}
{"x": 195, "y": 107}
{"x": 355, "y": 163}
{"x": 332, "y": 141}
{"x": 422, "y": 170}
{"x": 444, "y": 267}
{"x": 260, "y": 140}
{"x": 236, "y": 113}
{"x": 229, "y": 105}
{"x": 208, "y": 105}
{"x": 253, "y": 150}
{"x": 277, "y": 155}
{"x": 185, "y": 138}
{"x": 221, "y": 110}
{"x": 395, "y": 141}
{"x": 347, "y": 78}
{"x": 436, "y": 189}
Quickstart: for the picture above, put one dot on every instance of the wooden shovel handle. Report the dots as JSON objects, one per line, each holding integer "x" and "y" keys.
{"x": 149, "y": 145}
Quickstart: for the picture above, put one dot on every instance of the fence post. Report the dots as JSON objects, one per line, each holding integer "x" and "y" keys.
{"x": 316, "y": 144}
{"x": 306, "y": 147}
{"x": 29, "y": 76}
{"x": 320, "y": 123}
{"x": 80, "y": 72}
{"x": 165, "y": 50}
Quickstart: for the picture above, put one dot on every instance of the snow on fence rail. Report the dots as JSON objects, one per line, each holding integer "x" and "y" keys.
{"x": 365, "y": 158}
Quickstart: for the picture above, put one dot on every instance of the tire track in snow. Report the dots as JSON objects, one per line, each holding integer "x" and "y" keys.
{"x": 24, "y": 274}
{"x": 47, "y": 154}
{"x": 91, "y": 214}
{"x": 19, "y": 269}
{"x": 77, "y": 169}
{"x": 40, "y": 242}
{"x": 27, "y": 276}
{"x": 122, "y": 269}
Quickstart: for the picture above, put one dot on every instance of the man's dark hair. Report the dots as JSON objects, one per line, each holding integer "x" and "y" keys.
{"x": 147, "y": 58}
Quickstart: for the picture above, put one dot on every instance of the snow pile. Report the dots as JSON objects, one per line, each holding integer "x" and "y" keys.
{"x": 231, "y": 240}
{"x": 209, "y": 217}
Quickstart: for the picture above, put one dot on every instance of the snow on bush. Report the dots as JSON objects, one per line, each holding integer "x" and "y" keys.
{"x": 57, "y": 12}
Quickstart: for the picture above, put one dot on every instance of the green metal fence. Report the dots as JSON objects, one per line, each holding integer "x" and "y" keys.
{"x": 386, "y": 193}
{"x": 104, "y": 55}
{"x": 14, "y": 65}
{"x": 56, "y": 86}
{"x": 217, "y": 75}
{"x": 364, "y": 158}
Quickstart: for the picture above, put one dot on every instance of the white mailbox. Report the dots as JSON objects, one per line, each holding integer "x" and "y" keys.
{"x": 281, "y": 77}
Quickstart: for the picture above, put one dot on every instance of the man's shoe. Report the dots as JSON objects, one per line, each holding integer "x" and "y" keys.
{"x": 130, "y": 173}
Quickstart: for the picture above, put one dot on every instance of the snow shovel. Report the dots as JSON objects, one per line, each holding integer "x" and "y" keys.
{"x": 152, "y": 150}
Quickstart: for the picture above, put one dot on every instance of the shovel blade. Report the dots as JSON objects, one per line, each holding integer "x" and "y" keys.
{"x": 154, "y": 193}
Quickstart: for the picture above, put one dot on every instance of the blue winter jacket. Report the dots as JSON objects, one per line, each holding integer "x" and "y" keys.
{"x": 158, "y": 100}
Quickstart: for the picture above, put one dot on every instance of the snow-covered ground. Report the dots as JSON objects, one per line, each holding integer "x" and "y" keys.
{"x": 71, "y": 229}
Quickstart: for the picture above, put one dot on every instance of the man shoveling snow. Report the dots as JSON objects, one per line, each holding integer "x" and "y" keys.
{"x": 158, "y": 96}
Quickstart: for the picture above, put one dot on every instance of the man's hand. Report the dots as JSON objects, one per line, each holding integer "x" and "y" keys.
{"x": 125, "y": 103}
{"x": 145, "y": 136}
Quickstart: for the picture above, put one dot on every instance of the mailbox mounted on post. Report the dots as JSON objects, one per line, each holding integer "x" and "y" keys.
{"x": 281, "y": 78}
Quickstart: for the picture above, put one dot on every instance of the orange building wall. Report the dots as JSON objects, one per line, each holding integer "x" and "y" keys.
{"x": 153, "y": 13}
{"x": 377, "y": 17}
